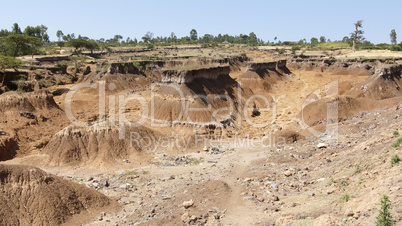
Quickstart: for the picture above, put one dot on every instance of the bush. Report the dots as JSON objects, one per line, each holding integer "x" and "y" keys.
{"x": 345, "y": 198}
{"x": 19, "y": 85}
{"x": 280, "y": 51}
{"x": 344, "y": 183}
{"x": 383, "y": 46}
{"x": 150, "y": 46}
{"x": 295, "y": 48}
{"x": 357, "y": 170}
{"x": 395, "y": 160}
{"x": 397, "y": 143}
{"x": 396, "y": 133}
{"x": 384, "y": 217}
{"x": 396, "y": 48}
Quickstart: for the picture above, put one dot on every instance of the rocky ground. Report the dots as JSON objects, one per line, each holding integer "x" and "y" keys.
{"x": 326, "y": 173}
{"x": 318, "y": 177}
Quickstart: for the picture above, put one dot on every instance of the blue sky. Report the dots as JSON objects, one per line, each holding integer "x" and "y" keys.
{"x": 288, "y": 20}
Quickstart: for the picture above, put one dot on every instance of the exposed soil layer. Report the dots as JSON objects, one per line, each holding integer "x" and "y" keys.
{"x": 30, "y": 196}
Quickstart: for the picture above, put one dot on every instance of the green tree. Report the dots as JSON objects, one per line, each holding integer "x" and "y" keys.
{"x": 357, "y": 35}
{"x": 68, "y": 37}
{"x": 384, "y": 217}
{"x": 77, "y": 43}
{"x": 392, "y": 35}
{"x": 60, "y": 44}
{"x": 148, "y": 37}
{"x": 314, "y": 41}
{"x": 16, "y": 29}
{"x": 4, "y": 33}
{"x": 252, "y": 39}
{"x": 8, "y": 62}
{"x": 173, "y": 37}
{"x": 59, "y": 35}
{"x": 193, "y": 35}
{"x": 117, "y": 38}
{"x": 323, "y": 39}
{"x": 38, "y": 31}
{"x": 92, "y": 45}
{"x": 18, "y": 44}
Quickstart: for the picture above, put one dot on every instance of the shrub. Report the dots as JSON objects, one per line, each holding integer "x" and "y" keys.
{"x": 395, "y": 160}
{"x": 19, "y": 85}
{"x": 396, "y": 48}
{"x": 280, "y": 51}
{"x": 63, "y": 64}
{"x": 105, "y": 67}
{"x": 396, "y": 133}
{"x": 345, "y": 198}
{"x": 150, "y": 46}
{"x": 295, "y": 48}
{"x": 397, "y": 143}
{"x": 135, "y": 172}
{"x": 357, "y": 170}
{"x": 384, "y": 217}
{"x": 344, "y": 183}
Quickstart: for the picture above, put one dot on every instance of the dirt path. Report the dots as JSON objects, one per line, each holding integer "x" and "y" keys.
{"x": 241, "y": 211}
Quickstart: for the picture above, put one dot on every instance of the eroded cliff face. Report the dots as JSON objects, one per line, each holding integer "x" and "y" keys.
{"x": 123, "y": 68}
{"x": 253, "y": 66}
{"x": 96, "y": 144}
{"x": 31, "y": 101}
{"x": 385, "y": 83}
{"x": 392, "y": 71}
{"x": 187, "y": 76}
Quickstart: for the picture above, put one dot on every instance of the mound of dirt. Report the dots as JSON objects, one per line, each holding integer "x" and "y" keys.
{"x": 385, "y": 83}
{"x": 28, "y": 121}
{"x": 344, "y": 87}
{"x": 315, "y": 113}
{"x": 38, "y": 100}
{"x": 99, "y": 145}
{"x": 30, "y": 196}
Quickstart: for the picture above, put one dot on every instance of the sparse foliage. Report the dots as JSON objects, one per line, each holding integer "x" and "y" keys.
{"x": 8, "y": 62}
{"x": 392, "y": 36}
{"x": 397, "y": 143}
{"x": 357, "y": 170}
{"x": 345, "y": 198}
{"x": 193, "y": 35}
{"x": 78, "y": 61}
{"x": 384, "y": 217}
{"x": 16, "y": 29}
{"x": 395, "y": 160}
{"x": 314, "y": 41}
{"x": 59, "y": 35}
{"x": 357, "y": 35}
{"x": 19, "y": 44}
{"x": 147, "y": 38}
